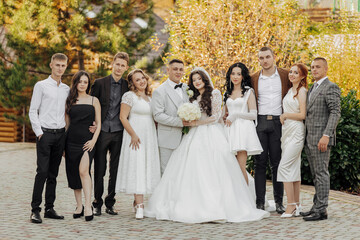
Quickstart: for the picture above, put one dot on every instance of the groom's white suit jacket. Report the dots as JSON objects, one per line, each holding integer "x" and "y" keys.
{"x": 165, "y": 103}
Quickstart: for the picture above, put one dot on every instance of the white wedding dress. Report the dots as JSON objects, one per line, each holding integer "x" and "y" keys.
{"x": 203, "y": 181}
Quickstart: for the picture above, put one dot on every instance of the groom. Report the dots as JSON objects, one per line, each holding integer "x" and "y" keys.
{"x": 166, "y": 100}
{"x": 322, "y": 116}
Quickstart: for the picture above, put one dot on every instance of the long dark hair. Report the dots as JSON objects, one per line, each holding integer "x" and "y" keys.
{"x": 245, "y": 83}
{"x": 73, "y": 95}
{"x": 205, "y": 102}
{"x": 303, "y": 71}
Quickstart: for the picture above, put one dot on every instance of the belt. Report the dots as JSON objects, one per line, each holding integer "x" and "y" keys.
{"x": 269, "y": 117}
{"x": 48, "y": 130}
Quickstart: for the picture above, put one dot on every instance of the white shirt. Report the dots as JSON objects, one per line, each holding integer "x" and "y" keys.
{"x": 269, "y": 94}
{"x": 178, "y": 90}
{"x": 316, "y": 86}
{"x": 320, "y": 81}
{"x": 47, "y": 107}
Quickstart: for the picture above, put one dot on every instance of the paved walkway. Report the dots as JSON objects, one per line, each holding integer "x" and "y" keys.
{"x": 16, "y": 181}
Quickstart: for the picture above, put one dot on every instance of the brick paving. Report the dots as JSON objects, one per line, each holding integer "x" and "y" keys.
{"x": 18, "y": 164}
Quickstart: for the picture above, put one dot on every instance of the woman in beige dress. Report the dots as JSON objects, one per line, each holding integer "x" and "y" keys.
{"x": 292, "y": 139}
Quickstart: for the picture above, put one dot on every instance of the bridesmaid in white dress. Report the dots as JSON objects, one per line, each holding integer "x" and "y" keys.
{"x": 139, "y": 165}
{"x": 240, "y": 107}
{"x": 293, "y": 137}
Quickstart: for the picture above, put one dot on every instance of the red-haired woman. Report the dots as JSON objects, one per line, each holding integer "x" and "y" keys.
{"x": 292, "y": 139}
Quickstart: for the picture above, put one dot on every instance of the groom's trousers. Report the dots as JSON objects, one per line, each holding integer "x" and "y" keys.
{"x": 269, "y": 133}
{"x": 165, "y": 154}
{"x": 319, "y": 166}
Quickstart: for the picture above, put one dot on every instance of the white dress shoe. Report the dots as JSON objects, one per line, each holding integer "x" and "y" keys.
{"x": 289, "y": 215}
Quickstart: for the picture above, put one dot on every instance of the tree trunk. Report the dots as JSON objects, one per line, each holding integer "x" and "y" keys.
{"x": 81, "y": 60}
{"x": 24, "y": 126}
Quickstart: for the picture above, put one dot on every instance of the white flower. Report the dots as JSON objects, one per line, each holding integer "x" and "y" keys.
{"x": 189, "y": 92}
{"x": 189, "y": 112}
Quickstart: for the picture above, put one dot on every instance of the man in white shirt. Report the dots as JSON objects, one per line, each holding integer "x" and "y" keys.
{"x": 47, "y": 117}
{"x": 271, "y": 85}
{"x": 166, "y": 100}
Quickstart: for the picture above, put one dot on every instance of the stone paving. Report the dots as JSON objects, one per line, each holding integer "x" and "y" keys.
{"x": 16, "y": 182}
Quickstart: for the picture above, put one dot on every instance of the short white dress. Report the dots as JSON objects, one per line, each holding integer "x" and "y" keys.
{"x": 139, "y": 170}
{"x": 241, "y": 134}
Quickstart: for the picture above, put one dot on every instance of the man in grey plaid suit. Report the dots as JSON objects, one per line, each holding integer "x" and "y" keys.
{"x": 322, "y": 116}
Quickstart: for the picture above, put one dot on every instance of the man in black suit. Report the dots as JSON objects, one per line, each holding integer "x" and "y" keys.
{"x": 109, "y": 90}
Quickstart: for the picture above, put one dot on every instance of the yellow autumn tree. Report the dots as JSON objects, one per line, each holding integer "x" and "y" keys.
{"x": 339, "y": 43}
{"x": 217, "y": 33}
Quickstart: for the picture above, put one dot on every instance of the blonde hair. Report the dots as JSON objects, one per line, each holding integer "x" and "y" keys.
{"x": 59, "y": 56}
{"x": 122, "y": 55}
{"x": 132, "y": 87}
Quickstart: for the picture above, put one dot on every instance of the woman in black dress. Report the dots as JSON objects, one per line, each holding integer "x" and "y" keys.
{"x": 81, "y": 111}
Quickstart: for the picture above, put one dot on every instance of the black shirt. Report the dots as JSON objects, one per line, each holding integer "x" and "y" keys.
{"x": 112, "y": 121}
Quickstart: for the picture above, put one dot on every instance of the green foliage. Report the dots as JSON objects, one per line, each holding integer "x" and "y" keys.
{"x": 15, "y": 88}
{"x": 344, "y": 166}
{"x": 81, "y": 29}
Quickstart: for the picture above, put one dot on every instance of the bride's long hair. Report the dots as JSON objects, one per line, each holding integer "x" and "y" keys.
{"x": 205, "y": 102}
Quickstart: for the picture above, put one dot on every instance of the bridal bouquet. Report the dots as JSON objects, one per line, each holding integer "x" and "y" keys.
{"x": 189, "y": 112}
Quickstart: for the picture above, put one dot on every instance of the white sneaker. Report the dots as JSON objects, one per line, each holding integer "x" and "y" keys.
{"x": 139, "y": 211}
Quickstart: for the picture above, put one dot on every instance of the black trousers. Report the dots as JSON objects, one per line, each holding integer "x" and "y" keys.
{"x": 49, "y": 151}
{"x": 269, "y": 133}
{"x": 106, "y": 142}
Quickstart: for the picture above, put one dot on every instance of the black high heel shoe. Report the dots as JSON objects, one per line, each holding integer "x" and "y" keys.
{"x": 78, "y": 215}
{"x": 91, "y": 217}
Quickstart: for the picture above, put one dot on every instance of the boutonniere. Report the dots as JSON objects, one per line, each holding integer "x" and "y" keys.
{"x": 189, "y": 92}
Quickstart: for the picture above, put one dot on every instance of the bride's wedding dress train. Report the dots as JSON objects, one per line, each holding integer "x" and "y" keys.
{"x": 203, "y": 181}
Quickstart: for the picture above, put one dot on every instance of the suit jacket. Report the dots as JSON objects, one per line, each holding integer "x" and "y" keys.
{"x": 322, "y": 113}
{"x": 101, "y": 90}
{"x": 285, "y": 82}
{"x": 164, "y": 104}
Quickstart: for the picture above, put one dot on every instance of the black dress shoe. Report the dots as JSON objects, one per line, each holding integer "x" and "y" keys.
{"x": 78, "y": 215}
{"x": 111, "y": 211}
{"x": 97, "y": 211}
{"x": 51, "y": 213}
{"x": 316, "y": 216}
{"x": 35, "y": 217}
{"x": 260, "y": 206}
{"x": 308, "y": 213}
{"x": 280, "y": 208}
{"x": 90, "y": 217}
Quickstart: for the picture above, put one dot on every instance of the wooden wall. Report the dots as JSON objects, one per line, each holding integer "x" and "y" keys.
{"x": 11, "y": 131}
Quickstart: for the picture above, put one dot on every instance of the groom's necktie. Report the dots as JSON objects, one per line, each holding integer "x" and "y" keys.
{"x": 313, "y": 89}
{"x": 178, "y": 86}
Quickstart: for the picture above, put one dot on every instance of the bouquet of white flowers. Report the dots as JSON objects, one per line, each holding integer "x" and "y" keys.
{"x": 189, "y": 112}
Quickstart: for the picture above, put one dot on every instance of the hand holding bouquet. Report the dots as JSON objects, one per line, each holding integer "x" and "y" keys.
{"x": 189, "y": 112}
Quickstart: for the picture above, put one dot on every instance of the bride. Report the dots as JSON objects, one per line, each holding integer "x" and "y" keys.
{"x": 203, "y": 181}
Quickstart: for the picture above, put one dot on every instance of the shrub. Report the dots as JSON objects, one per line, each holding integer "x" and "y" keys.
{"x": 344, "y": 166}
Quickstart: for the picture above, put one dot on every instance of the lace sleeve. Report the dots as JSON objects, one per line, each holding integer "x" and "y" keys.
{"x": 216, "y": 104}
{"x": 216, "y": 101}
{"x": 128, "y": 98}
